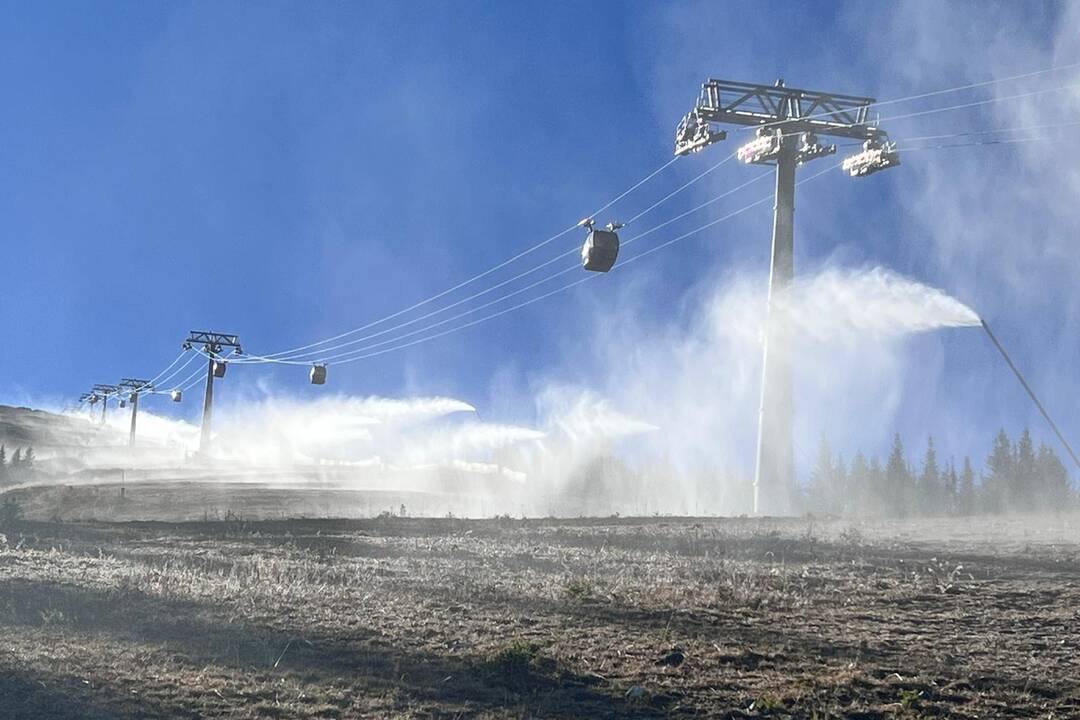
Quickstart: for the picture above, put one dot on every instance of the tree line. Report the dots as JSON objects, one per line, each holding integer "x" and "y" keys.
{"x": 1016, "y": 477}
{"x": 21, "y": 463}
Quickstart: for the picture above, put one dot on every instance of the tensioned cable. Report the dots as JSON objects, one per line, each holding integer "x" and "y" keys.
{"x": 321, "y": 357}
{"x": 287, "y": 356}
{"x": 192, "y": 379}
{"x": 351, "y": 356}
{"x": 167, "y": 369}
{"x": 974, "y": 133}
{"x": 157, "y": 378}
{"x": 483, "y": 274}
{"x": 933, "y": 93}
{"x": 543, "y": 243}
{"x": 1017, "y": 128}
{"x": 646, "y": 253}
{"x": 977, "y": 103}
{"x": 291, "y": 354}
{"x": 661, "y": 168}
{"x": 568, "y": 285}
{"x": 944, "y": 146}
{"x": 678, "y": 190}
{"x": 175, "y": 372}
{"x": 197, "y": 375}
{"x": 536, "y": 299}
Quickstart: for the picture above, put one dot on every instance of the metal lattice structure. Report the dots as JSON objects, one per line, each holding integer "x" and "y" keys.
{"x": 777, "y": 106}
{"x": 789, "y": 122}
{"x": 213, "y": 343}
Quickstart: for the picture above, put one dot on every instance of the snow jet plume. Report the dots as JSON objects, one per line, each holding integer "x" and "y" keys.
{"x": 670, "y": 424}
{"x": 687, "y": 388}
{"x": 872, "y": 304}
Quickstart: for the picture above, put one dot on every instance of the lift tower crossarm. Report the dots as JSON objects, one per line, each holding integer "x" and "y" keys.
{"x": 796, "y": 110}
{"x": 217, "y": 340}
{"x": 212, "y": 343}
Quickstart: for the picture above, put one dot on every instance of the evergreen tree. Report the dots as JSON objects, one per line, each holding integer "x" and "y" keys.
{"x": 1054, "y": 480}
{"x": 1025, "y": 493}
{"x": 929, "y": 495}
{"x": 879, "y": 488}
{"x": 16, "y": 460}
{"x": 898, "y": 480}
{"x": 860, "y": 489}
{"x": 1001, "y": 469}
{"x": 29, "y": 457}
{"x": 3, "y": 465}
{"x": 966, "y": 499}
{"x": 842, "y": 502}
{"x": 951, "y": 500}
{"x": 822, "y": 491}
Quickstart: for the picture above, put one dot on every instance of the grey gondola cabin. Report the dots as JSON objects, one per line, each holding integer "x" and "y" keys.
{"x": 601, "y": 247}
{"x": 219, "y": 368}
{"x": 177, "y": 395}
{"x": 318, "y": 374}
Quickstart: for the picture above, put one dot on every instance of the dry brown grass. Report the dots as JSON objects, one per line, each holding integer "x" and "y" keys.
{"x": 424, "y": 618}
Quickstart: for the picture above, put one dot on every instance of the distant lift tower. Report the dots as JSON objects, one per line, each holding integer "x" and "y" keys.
{"x": 788, "y": 123}
{"x": 134, "y": 388}
{"x": 103, "y": 392}
{"x": 212, "y": 344}
{"x": 91, "y": 399}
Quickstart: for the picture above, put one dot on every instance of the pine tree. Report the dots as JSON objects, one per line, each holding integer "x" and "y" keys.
{"x": 16, "y": 459}
{"x": 929, "y": 495}
{"x": 951, "y": 501}
{"x": 842, "y": 502}
{"x": 879, "y": 488}
{"x": 898, "y": 480}
{"x": 1025, "y": 493}
{"x": 860, "y": 489}
{"x": 1001, "y": 469}
{"x": 821, "y": 491}
{"x": 3, "y": 465}
{"x": 966, "y": 500}
{"x": 29, "y": 457}
{"x": 1053, "y": 480}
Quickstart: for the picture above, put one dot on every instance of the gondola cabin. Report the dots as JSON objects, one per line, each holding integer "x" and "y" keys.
{"x": 601, "y": 247}
{"x": 219, "y": 368}
{"x": 176, "y": 395}
{"x": 318, "y": 374}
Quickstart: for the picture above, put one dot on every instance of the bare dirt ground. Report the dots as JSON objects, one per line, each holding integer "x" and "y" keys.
{"x": 656, "y": 617}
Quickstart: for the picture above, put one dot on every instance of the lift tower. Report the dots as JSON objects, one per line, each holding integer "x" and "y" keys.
{"x": 90, "y": 399}
{"x": 103, "y": 392}
{"x": 788, "y": 122}
{"x": 212, "y": 344}
{"x": 135, "y": 387}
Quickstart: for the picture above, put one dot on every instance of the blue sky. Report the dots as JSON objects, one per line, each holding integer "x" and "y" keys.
{"x": 286, "y": 171}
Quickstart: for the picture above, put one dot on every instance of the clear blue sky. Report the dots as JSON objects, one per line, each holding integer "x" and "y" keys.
{"x": 285, "y": 171}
